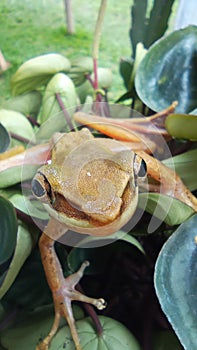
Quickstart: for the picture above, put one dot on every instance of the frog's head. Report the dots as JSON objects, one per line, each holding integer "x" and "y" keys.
{"x": 93, "y": 191}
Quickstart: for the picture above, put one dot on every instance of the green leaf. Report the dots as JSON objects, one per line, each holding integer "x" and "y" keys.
{"x": 182, "y": 126}
{"x": 115, "y": 335}
{"x": 60, "y": 84}
{"x": 185, "y": 165}
{"x": 168, "y": 73}
{"x": 126, "y": 67}
{"x": 4, "y": 139}
{"x": 34, "y": 208}
{"x": 165, "y": 208}
{"x": 37, "y": 71}
{"x": 8, "y": 229}
{"x": 27, "y": 104}
{"x": 28, "y": 332}
{"x": 80, "y": 67}
{"x": 16, "y": 174}
{"x": 17, "y": 123}
{"x": 158, "y": 21}
{"x": 24, "y": 245}
{"x": 175, "y": 282}
{"x": 30, "y": 288}
{"x": 138, "y": 25}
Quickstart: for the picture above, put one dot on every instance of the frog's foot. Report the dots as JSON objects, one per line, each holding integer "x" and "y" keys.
{"x": 62, "y": 302}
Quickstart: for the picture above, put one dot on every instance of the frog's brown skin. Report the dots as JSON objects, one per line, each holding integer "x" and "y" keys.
{"x": 87, "y": 188}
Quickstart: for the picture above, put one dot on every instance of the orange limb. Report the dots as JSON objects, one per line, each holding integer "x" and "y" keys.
{"x": 63, "y": 289}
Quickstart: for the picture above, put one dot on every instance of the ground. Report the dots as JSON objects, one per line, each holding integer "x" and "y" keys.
{"x": 31, "y": 28}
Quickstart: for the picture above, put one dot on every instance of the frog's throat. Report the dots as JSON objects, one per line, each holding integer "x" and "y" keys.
{"x": 81, "y": 222}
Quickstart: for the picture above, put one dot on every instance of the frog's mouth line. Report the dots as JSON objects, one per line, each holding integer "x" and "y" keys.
{"x": 61, "y": 205}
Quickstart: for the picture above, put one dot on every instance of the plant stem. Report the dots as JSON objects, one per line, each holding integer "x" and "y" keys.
{"x": 63, "y": 108}
{"x": 21, "y": 138}
{"x": 96, "y": 41}
{"x": 92, "y": 313}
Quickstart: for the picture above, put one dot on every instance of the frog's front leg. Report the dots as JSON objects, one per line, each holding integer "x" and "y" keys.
{"x": 63, "y": 289}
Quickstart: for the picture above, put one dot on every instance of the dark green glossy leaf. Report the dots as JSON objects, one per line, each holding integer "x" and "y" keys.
{"x": 182, "y": 126}
{"x": 185, "y": 165}
{"x": 168, "y": 73}
{"x": 4, "y": 139}
{"x": 158, "y": 21}
{"x": 8, "y": 229}
{"x": 24, "y": 245}
{"x": 27, "y": 104}
{"x": 138, "y": 25}
{"x": 175, "y": 282}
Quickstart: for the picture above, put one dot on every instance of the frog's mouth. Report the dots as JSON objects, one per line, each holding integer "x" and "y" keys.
{"x": 63, "y": 206}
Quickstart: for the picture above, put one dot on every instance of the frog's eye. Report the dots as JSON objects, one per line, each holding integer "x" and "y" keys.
{"x": 41, "y": 187}
{"x": 37, "y": 188}
{"x": 142, "y": 169}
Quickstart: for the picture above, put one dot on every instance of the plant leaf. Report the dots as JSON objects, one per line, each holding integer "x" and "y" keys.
{"x": 168, "y": 73}
{"x": 27, "y": 104}
{"x": 115, "y": 335}
{"x": 37, "y": 71}
{"x": 60, "y": 84}
{"x": 8, "y": 229}
{"x": 175, "y": 282}
{"x": 138, "y": 25}
{"x": 182, "y": 126}
{"x": 16, "y": 174}
{"x": 185, "y": 165}
{"x": 17, "y": 123}
{"x": 165, "y": 208}
{"x": 24, "y": 245}
{"x": 28, "y": 332}
{"x": 158, "y": 21}
{"x": 4, "y": 139}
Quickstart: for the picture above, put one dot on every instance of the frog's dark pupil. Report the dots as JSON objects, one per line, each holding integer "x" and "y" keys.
{"x": 37, "y": 188}
{"x": 143, "y": 169}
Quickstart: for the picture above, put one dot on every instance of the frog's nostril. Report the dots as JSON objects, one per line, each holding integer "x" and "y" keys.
{"x": 37, "y": 188}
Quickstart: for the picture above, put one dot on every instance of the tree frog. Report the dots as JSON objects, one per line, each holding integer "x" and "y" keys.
{"x": 91, "y": 189}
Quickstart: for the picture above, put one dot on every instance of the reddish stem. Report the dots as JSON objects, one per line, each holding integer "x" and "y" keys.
{"x": 96, "y": 85}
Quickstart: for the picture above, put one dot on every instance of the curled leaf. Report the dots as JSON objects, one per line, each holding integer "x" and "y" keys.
{"x": 60, "y": 84}
{"x": 37, "y": 71}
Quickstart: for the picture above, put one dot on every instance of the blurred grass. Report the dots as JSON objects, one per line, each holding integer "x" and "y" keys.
{"x": 29, "y": 28}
